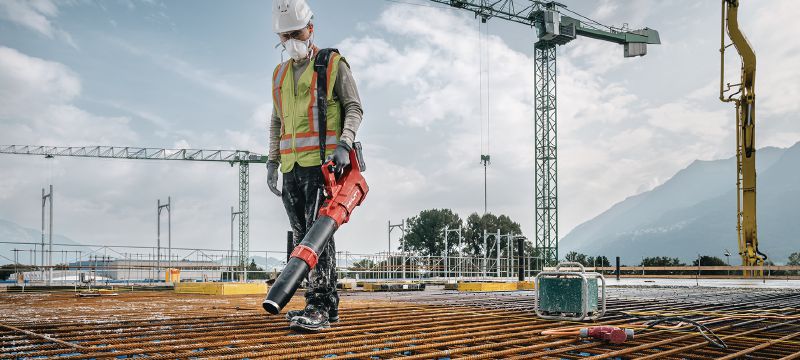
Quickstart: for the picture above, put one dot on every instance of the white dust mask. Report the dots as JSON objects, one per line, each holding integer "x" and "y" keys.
{"x": 297, "y": 49}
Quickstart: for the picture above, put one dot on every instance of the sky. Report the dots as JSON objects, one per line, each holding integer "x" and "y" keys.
{"x": 438, "y": 89}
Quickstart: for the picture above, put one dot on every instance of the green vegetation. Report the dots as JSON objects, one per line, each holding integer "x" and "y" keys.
{"x": 585, "y": 260}
{"x": 661, "y": 261}
{"x": 424, "y": 232}
{"x": 706, "y": 260}
{"x": 794, "y": 259}
{"x": 363, "y": 264}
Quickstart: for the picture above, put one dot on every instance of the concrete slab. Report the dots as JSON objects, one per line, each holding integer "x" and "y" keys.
{"x": 221, "y": 288}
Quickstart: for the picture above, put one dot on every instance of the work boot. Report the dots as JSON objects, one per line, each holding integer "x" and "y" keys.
{"x": 333, "y": 309}
{"x": 313, "y": 319}
{"x": 291, "y": 314}
{"x": 333, "y": 313}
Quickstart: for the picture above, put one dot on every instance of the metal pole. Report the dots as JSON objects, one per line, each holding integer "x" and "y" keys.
{"x": 460, "y": 273}
{"x": 520, "y": 258}
{"x": 389, "y": 256}
{"x": 446, "y": 260}
{"x": 230, "y": 257}
{"x": 50, "y": 235}
{"x": 42, "y": 263}
{"x": 509, "y": 255}
{"x": 485, "y": 252}
{"x": 169, "y": 231}
{"x": 389, "y": 232}
{"x": 158, "y": 239}
{"x": 403, "y": 240}
{"x": 497, "y": 252}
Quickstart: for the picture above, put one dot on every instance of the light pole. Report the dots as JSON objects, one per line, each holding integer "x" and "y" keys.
{"x": 45, "y": 198}
{"x": 233, "y": 220}
{"x": 485, "y": 160}
{"x": 168, "y": 207}
{"x": 728, "y": 257}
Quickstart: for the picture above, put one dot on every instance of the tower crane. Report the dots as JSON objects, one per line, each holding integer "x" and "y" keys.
{"x": 242, "y": 157}
{"x": 555, "y": 25}
{"x": 745, "y": 133}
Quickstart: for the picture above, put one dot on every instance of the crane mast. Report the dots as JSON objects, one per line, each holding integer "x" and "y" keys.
{"x": 554, "y": 28}
{"x": 241, "y": 157}
{"x": 746, "y": 225}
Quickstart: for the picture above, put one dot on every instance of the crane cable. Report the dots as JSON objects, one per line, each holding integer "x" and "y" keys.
{"x": 484, "y": 50}
{"x": 480, "y": 80}
{"x": 485, "y": 55}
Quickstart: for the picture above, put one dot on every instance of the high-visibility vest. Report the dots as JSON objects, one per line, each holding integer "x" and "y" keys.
{"x": 299, "y": 114}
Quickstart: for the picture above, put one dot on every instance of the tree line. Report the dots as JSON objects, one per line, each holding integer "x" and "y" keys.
{"x": 425, "y": 236}
{"x": 666, "y": 261}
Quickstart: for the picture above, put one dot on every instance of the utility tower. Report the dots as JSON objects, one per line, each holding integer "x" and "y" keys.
{"x": 232, "y": 157}
{"x": 554, "y": 28}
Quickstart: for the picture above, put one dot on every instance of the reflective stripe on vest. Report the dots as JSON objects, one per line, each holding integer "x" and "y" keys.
{"x": 277, "y": 82}
{"x": 298, "y": 109}
{"x": 308, "y": 140}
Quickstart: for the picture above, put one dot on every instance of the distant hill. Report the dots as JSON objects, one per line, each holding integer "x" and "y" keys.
{"x": 268, "y": 263}
{"x": 14, "y": 233}
{"x": 694, "y": 212}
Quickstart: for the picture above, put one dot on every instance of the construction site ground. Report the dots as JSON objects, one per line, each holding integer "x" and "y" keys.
{"x": 757, "y": 322}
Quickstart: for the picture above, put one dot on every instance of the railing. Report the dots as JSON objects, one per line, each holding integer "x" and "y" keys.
{"x": 74, "y": 265}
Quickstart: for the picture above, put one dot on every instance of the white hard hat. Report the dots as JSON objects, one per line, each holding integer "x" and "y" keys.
{"x": 290, "y": 15}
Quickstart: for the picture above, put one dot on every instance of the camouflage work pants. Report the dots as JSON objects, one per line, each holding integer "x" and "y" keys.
{"x": 302, "y": 196}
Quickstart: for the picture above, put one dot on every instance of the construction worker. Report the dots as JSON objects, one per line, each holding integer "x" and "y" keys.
{"x": 295, "y": 144}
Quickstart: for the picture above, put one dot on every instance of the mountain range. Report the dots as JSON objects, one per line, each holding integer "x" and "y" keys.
{"x": 694, "y": 212}
{"x": 11, "y": 234}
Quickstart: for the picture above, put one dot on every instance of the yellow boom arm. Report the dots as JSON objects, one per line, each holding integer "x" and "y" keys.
{"x": 745, "y": 132}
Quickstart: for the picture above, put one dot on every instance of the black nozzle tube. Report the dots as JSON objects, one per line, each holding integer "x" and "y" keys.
{"x": 289, "y": 245}
{"x": 296, "y": 269}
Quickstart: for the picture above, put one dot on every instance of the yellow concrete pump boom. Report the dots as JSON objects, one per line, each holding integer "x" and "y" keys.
{"x": 745, "y": 99}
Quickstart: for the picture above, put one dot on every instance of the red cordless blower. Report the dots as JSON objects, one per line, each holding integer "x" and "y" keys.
{"x": 342, "y": 195}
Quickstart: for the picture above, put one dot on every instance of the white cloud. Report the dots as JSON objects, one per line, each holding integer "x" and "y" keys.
{"x": 33, "y": 14}
{"x": 777, "y": 53}
{"x": 96, "y": 198}
{"x": 36, "y": 15}
{"x": 203, "y": 77}
{"x": 26, "y": 81}
{"x": 612, "y": 142}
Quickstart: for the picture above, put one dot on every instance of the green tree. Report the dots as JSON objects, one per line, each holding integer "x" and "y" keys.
{"x": 661, "y": 261}
{"x": 574, "y": 256}
{"x": 476, "y": 224}
{"x": 424, "y": 232}
{"x": 706, "y": 260}
{"x": 255, "y": 272}
{"x": 794, "y": 259}
{"x": 602, "y": 261}
{"x": 363, "y": 264}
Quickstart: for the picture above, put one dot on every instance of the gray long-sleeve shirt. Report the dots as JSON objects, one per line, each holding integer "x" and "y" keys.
{"x": 344, "y": 91}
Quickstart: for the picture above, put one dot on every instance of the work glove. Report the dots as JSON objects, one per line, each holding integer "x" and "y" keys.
{"x": 340, "y": 157}
{"x": 272, "y": 177}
